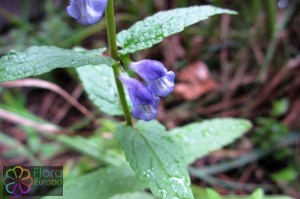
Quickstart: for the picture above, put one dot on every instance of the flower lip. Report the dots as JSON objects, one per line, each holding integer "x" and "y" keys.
{"x": 160, "y": 81}
{"x": 138, "y": 92}
{"x": 163, "y": 86}
{"x": 145, "y": 104}
{"x": 87, "y": 12}
{"x": 149, "y": 70}
{"x": 146, "y": 112}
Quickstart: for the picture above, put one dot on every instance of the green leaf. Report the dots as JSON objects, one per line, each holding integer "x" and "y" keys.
{"x": 212, "y": 194}
{"x": 99, "y": 83}
{"x": 257, "y": 194}
{"x": 101, "y": 184}
{"x": 199, "y": 192}
{"x": 137, "y": 195}
{"x": 277, "y": 197}
{"x": 38, "y": 60}
{"x": 279, "y": 107}
{"x": 265, "y": 197}
{"x": 199, "y": 139}
{"x": 156, "y": 159}
{"x": 287, "y": 174}
{"x": 152, "y": 30}
{"x": 91, "y": 149}
{"x": 18, "y": 147}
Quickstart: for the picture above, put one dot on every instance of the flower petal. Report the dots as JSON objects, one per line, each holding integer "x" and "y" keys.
{"x": 146, "y": 112}
{"x": 163, "y": 86}
{"x": 73, "y": 11}
{"x": 87, "y": 12}
{"x": 138, "y": 92}
{"x": 145, "y": 105}
{"x": 149, "y": 70}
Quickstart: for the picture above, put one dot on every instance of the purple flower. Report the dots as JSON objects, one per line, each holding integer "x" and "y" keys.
{"x": 145, "y": 104}
{"x": 87, "y": 12}
{"x": 160, "y": 81}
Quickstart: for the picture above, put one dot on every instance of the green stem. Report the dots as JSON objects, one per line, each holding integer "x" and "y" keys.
{"x": 116, "y": 68}
{"x": 271, "y": 17}
{"x": 255, "y": 4}
{"x": 112, "y": 42}
{"x": 111, "y": 29}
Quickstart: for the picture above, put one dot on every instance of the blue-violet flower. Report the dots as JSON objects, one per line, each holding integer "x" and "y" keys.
{"x": 160, "y": 81}
{"x": 145, "y": 104}
{"x": 87, "y": 12}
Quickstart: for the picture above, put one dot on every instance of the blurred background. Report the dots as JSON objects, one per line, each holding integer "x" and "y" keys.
{"x": 244, "y": 65}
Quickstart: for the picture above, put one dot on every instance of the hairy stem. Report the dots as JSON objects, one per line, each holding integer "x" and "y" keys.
{"x": 112, "y": 42}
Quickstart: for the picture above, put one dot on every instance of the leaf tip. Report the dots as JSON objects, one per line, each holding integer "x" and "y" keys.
{"x": 246, "y": 123}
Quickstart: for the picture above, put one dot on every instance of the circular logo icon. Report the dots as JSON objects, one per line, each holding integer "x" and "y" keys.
{"x": 17, "y": 181}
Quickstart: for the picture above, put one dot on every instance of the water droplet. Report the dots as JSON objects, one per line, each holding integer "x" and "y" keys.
{"x": 175, "y": 182}
{"x": 163, "y": 192}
